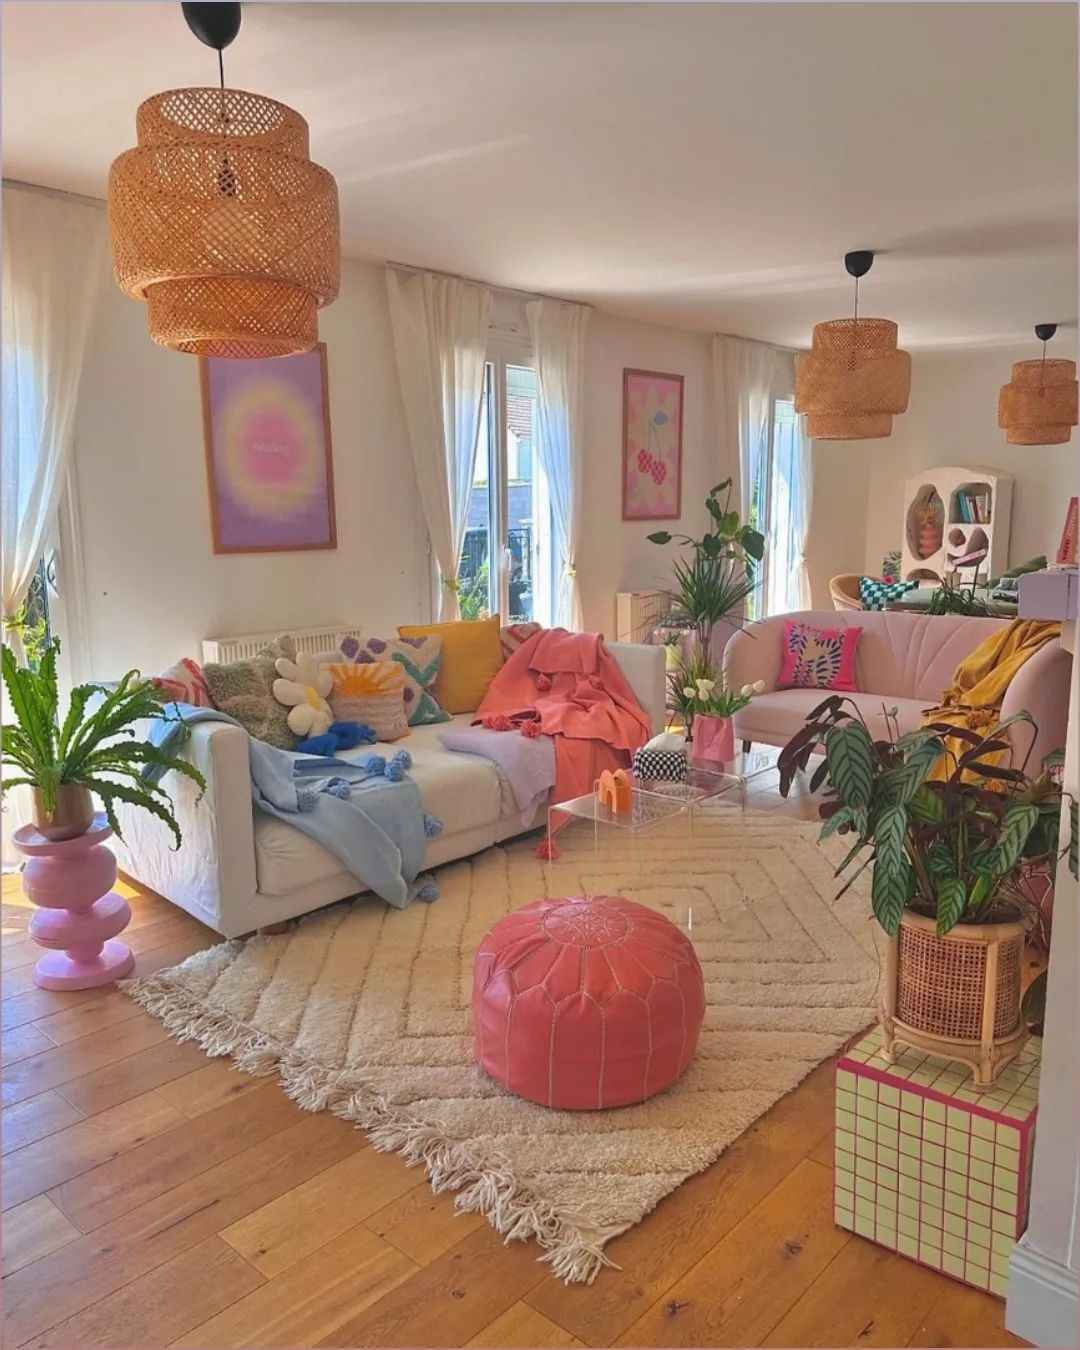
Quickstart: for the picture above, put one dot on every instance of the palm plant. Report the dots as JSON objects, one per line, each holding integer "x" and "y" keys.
{"x": 93, "y": 747}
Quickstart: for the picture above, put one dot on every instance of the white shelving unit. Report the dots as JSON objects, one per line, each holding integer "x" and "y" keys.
{"x": 939, "y": 493}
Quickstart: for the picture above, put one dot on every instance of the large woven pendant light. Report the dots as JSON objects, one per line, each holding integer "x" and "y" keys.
{"x": 1039, "y": 404}
{"x": 219, "y": 219}
{"x": 854, "y": 379}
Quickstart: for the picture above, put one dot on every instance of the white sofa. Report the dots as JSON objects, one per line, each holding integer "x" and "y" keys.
{"x": 239, "y": 869}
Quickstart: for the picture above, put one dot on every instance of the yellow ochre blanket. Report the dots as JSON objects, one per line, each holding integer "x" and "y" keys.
{"x": 973, "y": 700}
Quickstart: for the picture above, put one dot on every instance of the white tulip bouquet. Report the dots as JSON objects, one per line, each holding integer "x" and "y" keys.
{"x": 698, "y": 688}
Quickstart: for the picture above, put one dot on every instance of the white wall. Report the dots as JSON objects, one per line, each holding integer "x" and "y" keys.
{"x": 153, "y": 586}
{"x": 616, "y": 555}
{"x": 952, "y": 419}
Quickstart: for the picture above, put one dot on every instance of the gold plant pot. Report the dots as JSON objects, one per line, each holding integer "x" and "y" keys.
{"x": 73, "y": 814}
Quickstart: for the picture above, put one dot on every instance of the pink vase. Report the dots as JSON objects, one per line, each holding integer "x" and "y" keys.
{"x": 713, "y": 740}
{"x": 78, "y": 916}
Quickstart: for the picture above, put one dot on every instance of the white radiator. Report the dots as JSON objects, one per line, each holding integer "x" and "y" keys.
{"x": 314, "y": 640}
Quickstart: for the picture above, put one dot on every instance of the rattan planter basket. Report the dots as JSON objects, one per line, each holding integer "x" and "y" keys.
{"x": 956, "y": 996}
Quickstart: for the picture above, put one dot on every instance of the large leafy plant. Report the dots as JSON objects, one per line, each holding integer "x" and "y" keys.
{"x": 941, "y": 846}
{"x": 718, "y": 575}
{"x": 93, "y": 746}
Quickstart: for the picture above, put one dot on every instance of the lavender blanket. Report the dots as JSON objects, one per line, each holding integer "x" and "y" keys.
{"x": 527, "y": 764}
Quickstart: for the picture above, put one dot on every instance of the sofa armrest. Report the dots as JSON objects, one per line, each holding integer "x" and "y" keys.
{"x": 1041, "y": 688}
{"x": 753, "y": 653}
{"x": 217, "y": 856}
{"x": 645, "y": 668}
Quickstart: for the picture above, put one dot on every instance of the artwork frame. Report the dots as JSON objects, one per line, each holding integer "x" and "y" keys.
{"x": 289, "y": 387}
{"x": 648, "y": 444}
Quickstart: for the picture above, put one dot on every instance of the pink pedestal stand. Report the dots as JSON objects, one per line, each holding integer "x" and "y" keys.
{"x": 79, "y": 915}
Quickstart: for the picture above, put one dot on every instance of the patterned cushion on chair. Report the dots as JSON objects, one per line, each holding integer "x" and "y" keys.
{"x": 876, "y": 594}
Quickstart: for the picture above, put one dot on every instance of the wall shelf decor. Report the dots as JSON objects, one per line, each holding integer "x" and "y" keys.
{"x": 956, "y": 519}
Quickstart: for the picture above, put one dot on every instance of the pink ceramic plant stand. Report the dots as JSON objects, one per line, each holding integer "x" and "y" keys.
{"x": 79, "y": 916}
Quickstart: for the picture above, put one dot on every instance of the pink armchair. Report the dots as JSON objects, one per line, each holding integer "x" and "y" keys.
{"x": 903, "y": 661}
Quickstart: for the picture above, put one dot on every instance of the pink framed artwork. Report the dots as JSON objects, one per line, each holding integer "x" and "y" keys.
{"x": 652, "y": 445}
{"x": 269, "y": 467}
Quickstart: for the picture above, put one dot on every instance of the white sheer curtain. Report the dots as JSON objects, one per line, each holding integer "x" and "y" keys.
{"x": 793, "y": 525}
{"x": 743, "y": 375}
{"x": 558, "y": 330}
{"x": 440, "y": 327}
{"x": 53, "y": 263}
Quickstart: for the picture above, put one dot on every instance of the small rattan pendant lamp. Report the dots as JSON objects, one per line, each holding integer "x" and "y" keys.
{"x": 853, "y": 380}
{"x": 1039, "y": 404}
{"x": 220, "y": 221}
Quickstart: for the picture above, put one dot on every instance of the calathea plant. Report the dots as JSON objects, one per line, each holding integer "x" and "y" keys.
{"x": 94, "y": 748}
{"x": 942, "y": 845}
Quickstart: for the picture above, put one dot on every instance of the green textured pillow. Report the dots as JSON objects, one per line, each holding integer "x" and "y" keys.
{"x": 243, "y": 689}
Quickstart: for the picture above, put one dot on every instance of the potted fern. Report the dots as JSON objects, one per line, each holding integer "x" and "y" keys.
{"x": 944, "y": 831}
{"x": 93, "y": 750}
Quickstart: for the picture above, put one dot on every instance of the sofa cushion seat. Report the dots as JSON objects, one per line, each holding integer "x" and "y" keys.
{"x": 777, "y": 716}
{"x": 463, "y": 791}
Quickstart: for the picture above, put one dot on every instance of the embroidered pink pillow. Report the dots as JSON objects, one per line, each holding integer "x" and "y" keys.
{"x": 511, "y": 637}
{"x": 818, "y": 658}
{"x": 185, "y": 683}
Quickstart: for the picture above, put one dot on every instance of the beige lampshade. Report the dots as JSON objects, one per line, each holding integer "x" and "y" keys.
{"x": 853, "y": 380}
{"x": 223, "y": 225}
{"x": 1039, "y": 405}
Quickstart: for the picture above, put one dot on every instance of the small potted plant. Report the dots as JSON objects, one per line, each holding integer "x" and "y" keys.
{"x": 944, "y": 834}
{"x": 707, "y": 706}
{"x": 93, "y": 750}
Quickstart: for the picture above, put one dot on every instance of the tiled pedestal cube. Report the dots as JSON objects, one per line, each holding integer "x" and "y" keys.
{"x": 929, "y": 1167}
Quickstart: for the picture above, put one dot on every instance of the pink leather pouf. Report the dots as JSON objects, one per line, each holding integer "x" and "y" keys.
{"x": 583, "y": 1004}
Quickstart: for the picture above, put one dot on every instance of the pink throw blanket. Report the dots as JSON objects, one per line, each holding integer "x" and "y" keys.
{"x": 569, "y": 686}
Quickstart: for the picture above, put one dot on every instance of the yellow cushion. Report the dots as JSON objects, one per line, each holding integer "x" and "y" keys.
{"x": 471, "y": 657}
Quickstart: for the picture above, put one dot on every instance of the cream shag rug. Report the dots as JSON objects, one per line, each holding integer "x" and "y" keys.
{"x": 364, "y": 1011}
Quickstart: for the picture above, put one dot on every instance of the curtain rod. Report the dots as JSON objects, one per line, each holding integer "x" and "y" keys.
{"x": 53, "y": 192}
{"x": 491, "y": 285}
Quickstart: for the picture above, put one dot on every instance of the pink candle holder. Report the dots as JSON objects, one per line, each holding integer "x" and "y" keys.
{"x": 79, "y": 915}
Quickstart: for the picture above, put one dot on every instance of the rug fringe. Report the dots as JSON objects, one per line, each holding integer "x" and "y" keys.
{"x": 484, "y": 1186}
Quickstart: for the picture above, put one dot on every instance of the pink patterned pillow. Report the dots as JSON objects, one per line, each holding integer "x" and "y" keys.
{"x": 184, "y": 683}
{"x": 511, "y": 637}
{"x": 818, "y": 658}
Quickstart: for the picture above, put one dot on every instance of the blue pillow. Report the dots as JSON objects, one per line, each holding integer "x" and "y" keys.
{"x": 875, "y": 594}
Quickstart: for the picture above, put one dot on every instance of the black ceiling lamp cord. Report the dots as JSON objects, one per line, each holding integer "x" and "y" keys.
{"x": 1044, "y": 332}
{"x": 216, "y": 23}
{"x": 858, "y": 263}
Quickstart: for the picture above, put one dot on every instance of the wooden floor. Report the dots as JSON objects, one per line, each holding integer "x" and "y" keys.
{"x": 155, "y": 1197}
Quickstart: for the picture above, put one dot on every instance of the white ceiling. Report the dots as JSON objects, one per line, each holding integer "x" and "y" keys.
{"x": 701, "y": 165}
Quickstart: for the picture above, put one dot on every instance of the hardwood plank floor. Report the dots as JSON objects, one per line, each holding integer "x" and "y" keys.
{"x": 156, "y": 1197}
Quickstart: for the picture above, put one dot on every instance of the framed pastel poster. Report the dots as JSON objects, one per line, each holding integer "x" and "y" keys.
{"x": 269, "y": 465}
{"x": 652, "y": 445}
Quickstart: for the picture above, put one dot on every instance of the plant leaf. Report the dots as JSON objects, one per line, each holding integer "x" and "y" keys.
{"x": 1016, "y": 824}
{"x": 951, "y": 900}
{"x": 851, "y": 764}
{"x": 889, "y": 893}
{"x": 660, "y": 537}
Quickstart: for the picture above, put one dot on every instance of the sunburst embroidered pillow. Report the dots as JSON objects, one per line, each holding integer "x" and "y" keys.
{"x": 818, "y": 658}
{"x": 373, "y": 694}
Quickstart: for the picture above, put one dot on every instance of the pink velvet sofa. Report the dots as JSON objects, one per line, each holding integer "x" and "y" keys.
{"x": 903, "y": 661}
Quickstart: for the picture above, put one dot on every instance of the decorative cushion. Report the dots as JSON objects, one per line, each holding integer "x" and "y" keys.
{"x": 876, "y": 594}
{"x": 184, "y": 683}
{"x": 584, "y": 1004}
{"x": 664, "y": 765}
{"x": 244, "y": 690}
{"x": 471, "y": 658}
{"x": 419, "y": 658}
{"x": 818, "y": 658}
{"x": 511, "y": 637}
{"x": 371, "y": 693}
{"x": 302, "y": 687}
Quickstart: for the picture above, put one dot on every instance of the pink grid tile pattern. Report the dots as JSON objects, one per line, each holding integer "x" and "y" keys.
{"x": 931, "y": 1168}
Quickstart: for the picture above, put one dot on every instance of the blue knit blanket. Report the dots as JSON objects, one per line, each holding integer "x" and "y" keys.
{"x": 375, "y": 826}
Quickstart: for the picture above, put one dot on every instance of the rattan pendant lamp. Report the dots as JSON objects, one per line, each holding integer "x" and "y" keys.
{"x": 853, "y": 380}
{"x": 220, "y": 221}
{"x": 1039, "y": 404}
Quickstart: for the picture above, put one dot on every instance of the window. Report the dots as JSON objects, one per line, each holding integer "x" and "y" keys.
{"x": 773, "y": 507}
{"x": 505, "y": 563}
